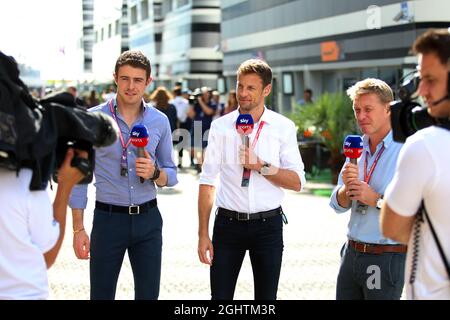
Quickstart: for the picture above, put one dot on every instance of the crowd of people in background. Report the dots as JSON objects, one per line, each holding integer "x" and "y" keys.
{"x": 182, "y": 106}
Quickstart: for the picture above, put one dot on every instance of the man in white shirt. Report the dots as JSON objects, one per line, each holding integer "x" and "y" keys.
{"x": 248, "y": 218}
{"x": 32, "y": 233}
{"x": 184, "y": 122}
{"x": 423, "y": 174}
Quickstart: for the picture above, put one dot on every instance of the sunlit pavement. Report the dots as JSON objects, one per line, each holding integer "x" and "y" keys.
{"x": 312, "y": 241}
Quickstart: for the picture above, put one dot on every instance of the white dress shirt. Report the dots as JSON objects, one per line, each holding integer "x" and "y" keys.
{"x": 277, "y": 145}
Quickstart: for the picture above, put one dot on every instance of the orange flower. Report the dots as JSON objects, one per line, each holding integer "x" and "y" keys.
{"x": 326, "y": 134}
{"x": 307, "y": 133}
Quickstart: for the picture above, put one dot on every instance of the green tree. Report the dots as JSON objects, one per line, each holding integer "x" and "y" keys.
{"x": 330, "y": 119}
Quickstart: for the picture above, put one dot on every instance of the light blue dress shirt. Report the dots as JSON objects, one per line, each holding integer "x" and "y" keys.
{"x": 111, "y": 187}
{"x": 366, "y": 227}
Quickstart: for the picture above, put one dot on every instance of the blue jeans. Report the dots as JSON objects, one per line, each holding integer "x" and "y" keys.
{"x": 231, "y": 239}
{"x": 359, "y": 278}
{"x": 112, "y": 235}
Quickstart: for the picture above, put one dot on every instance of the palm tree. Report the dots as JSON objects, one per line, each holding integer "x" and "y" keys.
{"x": 329, "y": 120}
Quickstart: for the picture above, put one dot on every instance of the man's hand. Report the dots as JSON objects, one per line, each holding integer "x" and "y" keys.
{"x": 248, "y": 158}
{"x": 349, "y": 173}
{"x": 69, "y": 176}
{"x": 81, "y": 245}
{"x": 361, "y": 191}
{"x": 145, "y": 167}
{"x": 204, "y": 247}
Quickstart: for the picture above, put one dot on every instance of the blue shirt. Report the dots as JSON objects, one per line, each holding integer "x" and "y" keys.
{"x": 111, "y": 187}
{"x": 366, "y": 227}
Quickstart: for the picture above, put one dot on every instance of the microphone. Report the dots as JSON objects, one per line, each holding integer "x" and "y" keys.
{"x": 439, "y": 101}
{"x": 244, "y": 127}
{"x": 139, "y": 139}
{"x": 353, "y": 147}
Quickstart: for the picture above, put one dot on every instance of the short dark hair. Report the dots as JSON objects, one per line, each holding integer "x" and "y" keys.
{"x": 308, "y": 91}
{"x": 434, "y": 41}
{"x": 135, "y": 59}
{"x": 259, "y": 67}
{"x": 177, "y": 90}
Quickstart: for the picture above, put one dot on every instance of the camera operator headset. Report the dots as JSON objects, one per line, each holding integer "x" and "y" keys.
{"x": 420, "y": 188}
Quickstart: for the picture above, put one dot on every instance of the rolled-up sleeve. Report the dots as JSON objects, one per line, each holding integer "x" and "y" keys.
{"x": 333, "y": 198}
{"x": 213, "y": 158}
{"x": 78, "y": 197}
{"x": 290, "y": 157}
{"x": 164, "y": 156}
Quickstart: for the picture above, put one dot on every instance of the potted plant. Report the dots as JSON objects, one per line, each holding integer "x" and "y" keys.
{"x": 328, "y": 120}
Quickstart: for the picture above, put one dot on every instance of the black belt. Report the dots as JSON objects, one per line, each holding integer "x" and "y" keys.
{"x": 126, "y": 209}
{"x": 242, "y": 216}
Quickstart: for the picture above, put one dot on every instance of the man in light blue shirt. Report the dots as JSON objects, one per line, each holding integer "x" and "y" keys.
{"x": 126, "y": 215}
{"x": 372, "y": 267}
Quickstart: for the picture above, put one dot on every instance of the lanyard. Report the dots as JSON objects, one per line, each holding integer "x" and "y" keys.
{"x": 261, "y": 125}
{"x": 367, "y": 176}
{"x": 123, "y": 158}
{"x": 246, "y": 172}
{"x": 113, "y": 112}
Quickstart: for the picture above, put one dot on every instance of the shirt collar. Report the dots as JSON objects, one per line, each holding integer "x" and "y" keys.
{"x": 387, "y": 141}
{"x": 143, "y": 104}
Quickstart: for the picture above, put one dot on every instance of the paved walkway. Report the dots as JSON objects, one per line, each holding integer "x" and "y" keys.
{"x": 312, "y": 240}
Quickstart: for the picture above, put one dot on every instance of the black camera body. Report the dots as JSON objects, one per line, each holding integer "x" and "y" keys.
{"x": 78, "y": 129}
{"x": 193, "y": 98}
{"x": 408, "y": 116}
{"x": 36, "y": 134}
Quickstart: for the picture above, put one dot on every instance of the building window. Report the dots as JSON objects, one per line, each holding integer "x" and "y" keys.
{"x": 109, "y": 30}
{"x": 101, "y": 34}
{"x": 180, "y": 3}
{"x": 117, "y": 27}
{"x": 221, "y": 85}
{"x": 133, "y": 13}
{"x": 288, "y": 83}
{"x": 144, "y": 10}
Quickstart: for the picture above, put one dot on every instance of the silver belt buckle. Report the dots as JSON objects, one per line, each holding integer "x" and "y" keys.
{"x": 242, "y": 216}
{"x": 133, "y": 210}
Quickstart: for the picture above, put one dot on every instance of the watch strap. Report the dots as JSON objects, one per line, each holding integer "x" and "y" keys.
{"x": 156, "y": 173}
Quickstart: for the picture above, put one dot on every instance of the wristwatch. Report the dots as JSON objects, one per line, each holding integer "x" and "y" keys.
{"x": 265, "y": 169}
{"x": 156, "y": 173}
{"x": 379, "y": 202}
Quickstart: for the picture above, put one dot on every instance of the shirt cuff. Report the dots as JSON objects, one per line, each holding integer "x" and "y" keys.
{"x": 77, "y": 202}
{"x": 207, "y": 180}
{"x": 171, "y": 176}
{"x": 334, "y": 202}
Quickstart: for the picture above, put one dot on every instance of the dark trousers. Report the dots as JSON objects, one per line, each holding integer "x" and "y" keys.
{"x": 231, "y": 239}
{"x": 186, "y": 126}
{"x": 365, "y": 276}
{"x": 112, "y": 235}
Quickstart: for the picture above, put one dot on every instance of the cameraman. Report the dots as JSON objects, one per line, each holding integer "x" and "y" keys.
{"x": 32, "y": 233}
{"x": 423, "y": 173}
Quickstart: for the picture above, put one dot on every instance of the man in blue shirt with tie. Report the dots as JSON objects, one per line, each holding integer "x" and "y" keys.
{"x": 126, "y": 215}
{"x": 372, "y": 266}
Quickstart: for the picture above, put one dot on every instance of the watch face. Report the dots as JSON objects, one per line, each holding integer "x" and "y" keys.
{"x": 379, "y": 203}
{"x": 264, "y": 170}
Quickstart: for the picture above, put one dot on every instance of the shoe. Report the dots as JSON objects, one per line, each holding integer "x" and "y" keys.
{"x": 179, "y": 166}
